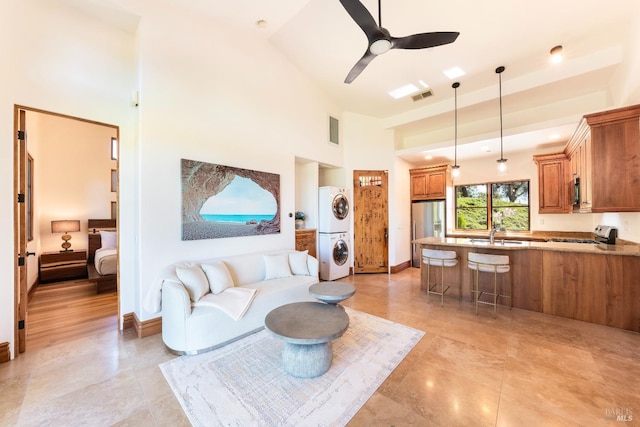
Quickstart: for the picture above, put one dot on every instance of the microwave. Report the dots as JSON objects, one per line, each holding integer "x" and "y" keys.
{"x": 576, "y": 191}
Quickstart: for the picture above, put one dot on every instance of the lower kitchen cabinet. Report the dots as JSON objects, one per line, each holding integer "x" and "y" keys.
{"x": 602, "y": 289}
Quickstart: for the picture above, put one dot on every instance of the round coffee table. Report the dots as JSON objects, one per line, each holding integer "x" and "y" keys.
{"x": 307, "y": 329}
{"x": 332, "y": 292}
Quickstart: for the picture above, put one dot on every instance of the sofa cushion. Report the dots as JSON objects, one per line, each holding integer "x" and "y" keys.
{"x": 276, "y": 266}
{"x": 218, "y": 276}
{"x": 298, "y": 263}
{"x": 194, "y": 279}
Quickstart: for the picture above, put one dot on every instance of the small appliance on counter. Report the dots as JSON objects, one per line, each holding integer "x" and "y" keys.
{"x": 606, "y": 234}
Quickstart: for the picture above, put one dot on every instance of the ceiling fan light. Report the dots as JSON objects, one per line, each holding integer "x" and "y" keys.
{"x": 379, "y": 47}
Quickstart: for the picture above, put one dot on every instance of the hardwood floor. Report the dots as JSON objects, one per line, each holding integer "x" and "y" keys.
{"x": 65, "y": 311}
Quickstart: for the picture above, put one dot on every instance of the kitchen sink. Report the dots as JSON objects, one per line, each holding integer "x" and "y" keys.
{"x": 497, "y": 242}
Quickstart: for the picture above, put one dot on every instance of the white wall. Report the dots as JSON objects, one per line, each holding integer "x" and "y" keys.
{"x": 57, "y": 59}
{"x": 307, "y": 191}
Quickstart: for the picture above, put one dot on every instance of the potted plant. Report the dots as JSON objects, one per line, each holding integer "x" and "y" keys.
{"x": 300, "y": 220}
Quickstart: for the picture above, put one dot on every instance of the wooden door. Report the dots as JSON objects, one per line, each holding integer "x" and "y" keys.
{"x": 370, "y": 222}
{"x": 20, "y": 227}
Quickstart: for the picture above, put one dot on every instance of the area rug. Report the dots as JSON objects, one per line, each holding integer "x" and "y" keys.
{"x": 244, "y": 384}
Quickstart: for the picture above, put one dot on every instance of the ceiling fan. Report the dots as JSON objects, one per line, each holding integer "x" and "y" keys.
{"x": 381, "y": 41}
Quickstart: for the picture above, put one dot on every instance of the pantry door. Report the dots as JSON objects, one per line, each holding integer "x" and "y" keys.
{"x": 370, "y": 221}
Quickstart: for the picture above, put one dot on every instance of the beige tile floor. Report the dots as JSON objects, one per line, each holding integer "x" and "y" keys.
{"x": 520, "y": 369}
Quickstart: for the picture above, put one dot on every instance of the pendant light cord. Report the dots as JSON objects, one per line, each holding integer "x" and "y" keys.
{"x": 455, "y": 153}
{"x": 499, "y": 70}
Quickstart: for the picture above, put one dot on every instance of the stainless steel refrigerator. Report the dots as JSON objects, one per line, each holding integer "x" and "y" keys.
{"x": 427, "y": 220}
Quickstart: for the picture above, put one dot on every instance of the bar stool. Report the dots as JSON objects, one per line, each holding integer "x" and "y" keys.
{"x": 496, "y": 264}
{"x": 442, "y": 259}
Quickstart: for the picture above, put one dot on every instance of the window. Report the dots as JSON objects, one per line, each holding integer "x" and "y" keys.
{"x": 471, "y": 207}
{"x": 510, "y": 205}
{"x": 506, "y": 209}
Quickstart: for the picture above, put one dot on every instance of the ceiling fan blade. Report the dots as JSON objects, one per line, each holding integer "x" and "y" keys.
{"x": 360, "y": 65}
{"x": 362, "y": 17}
{"x": 424, "y": 40}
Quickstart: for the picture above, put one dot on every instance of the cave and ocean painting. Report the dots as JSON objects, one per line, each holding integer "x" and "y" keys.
{"x": 222, "y": 201}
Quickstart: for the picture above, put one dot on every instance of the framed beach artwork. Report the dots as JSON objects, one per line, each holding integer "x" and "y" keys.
{"x": 221, "y": 201}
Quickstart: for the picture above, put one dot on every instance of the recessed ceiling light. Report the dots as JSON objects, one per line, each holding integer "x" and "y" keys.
{"x": 428, "y": 157}
{"x": 454, "y": 72}
{"x": 403, "y": 91}
{"x": 262, "y": 23}
{"x": 486, "y": 149}
{"x": 423, "y": 84}
{"x": 554, "y": 136}
{"x": 556, "y": 54}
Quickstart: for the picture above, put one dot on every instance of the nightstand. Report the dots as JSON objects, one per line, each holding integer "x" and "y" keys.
{"x": 57, "y": 266}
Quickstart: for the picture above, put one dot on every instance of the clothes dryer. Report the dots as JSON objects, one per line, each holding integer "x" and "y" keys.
{"x": 334, "y": 255}
{"x": 334, "y": 210}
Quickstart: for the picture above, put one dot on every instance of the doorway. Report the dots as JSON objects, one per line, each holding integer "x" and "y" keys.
{"x": 63, "y": 170}
{"x": 370, "y": 222}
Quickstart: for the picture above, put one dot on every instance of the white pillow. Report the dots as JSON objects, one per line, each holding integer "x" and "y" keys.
{"x": 108, "y": 239}
{"x": 276, "y": 266}
{"x": 218, "y": 276}
{"x": 194, "y": 279}
{"x": 298, "y": 263}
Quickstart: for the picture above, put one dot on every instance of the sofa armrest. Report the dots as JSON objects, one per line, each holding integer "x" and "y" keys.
{"x": 176, "y": 308}
{"x": 313, "y": 266}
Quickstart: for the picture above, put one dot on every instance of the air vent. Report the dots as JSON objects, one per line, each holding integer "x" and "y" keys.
{"x": 422, "y": 95}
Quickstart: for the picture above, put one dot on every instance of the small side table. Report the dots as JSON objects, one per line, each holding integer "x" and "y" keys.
{"x": 332, "y": 292}
{"x": 57, "y": 266}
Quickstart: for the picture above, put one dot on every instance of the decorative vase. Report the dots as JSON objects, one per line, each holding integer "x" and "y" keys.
{"x": 299, "y": 224}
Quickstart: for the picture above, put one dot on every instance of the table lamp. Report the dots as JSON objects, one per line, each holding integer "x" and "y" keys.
{"x": 65, "y": 226}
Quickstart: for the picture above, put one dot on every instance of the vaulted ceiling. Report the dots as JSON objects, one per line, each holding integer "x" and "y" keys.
{"x": 539, "y": 98}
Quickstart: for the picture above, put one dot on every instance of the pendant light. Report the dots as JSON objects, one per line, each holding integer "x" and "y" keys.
{"x": 455, "y": 171}
{"x": 502, "y": 162}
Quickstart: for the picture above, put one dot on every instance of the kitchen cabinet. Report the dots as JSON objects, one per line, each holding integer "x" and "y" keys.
{"x": 615, "y": 157}
{"x": 430, "y": 183}
{"x": 306, "y": 240}
{"x": 578, "y": 150}
{"x": 600, "y": 289}
{"x": 554, "y": 181}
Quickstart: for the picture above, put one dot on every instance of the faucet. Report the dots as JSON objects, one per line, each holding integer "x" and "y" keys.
{"x": 492, "y": 234}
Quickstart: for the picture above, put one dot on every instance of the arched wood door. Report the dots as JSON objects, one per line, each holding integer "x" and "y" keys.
{"x": 370, "y": 221}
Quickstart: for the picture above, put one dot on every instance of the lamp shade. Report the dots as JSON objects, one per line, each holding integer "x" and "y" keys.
{"x": 65, "y": 226}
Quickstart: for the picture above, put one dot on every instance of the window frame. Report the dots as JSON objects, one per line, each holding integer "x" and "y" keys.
{"x": 489, "y": 187}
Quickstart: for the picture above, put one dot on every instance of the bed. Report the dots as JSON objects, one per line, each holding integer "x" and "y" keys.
{"x": 102, "y": 259}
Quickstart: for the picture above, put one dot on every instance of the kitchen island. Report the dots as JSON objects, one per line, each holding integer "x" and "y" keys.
{"x": 596, "y": 283}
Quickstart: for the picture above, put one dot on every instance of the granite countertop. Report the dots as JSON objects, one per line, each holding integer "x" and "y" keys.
{"x": 499, "y": 243}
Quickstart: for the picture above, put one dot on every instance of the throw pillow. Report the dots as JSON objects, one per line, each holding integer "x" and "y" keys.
{"x": 218, "y": 276}
{"x": 194, "y": 279}
{"x": 108, "y": 239}
{"x": 276, "y": 266}
{"x": 298, "y": 263}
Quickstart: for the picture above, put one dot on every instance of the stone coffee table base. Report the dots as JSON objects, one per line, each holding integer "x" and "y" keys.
{"x": 307, "y": 329}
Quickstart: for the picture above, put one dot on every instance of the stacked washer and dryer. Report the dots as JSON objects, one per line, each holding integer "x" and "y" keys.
{"x": 333, "y": 232}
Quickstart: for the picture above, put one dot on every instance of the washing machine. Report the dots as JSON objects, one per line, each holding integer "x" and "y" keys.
{"x": 334, "y": 210}
{"x": 334, "y": 255}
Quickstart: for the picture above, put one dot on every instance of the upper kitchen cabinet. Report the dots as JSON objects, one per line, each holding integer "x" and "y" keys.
{"x": 430, "y": 183}
{"x": 615, "y": 159}
{"x": 554, "y": 183}
{"x": 578, "y": 150}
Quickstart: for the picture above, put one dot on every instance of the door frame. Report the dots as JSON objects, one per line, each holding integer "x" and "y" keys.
{"x": 19, "y": 224}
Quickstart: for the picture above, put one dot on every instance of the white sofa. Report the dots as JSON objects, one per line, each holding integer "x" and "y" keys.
{"x": 188, "y": 328}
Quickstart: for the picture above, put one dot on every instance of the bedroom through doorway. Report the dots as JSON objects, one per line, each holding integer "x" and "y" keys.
{"x": 69, "y": 178}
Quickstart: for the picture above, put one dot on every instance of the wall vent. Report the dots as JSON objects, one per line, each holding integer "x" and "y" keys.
{"x": 422, "y": 95}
